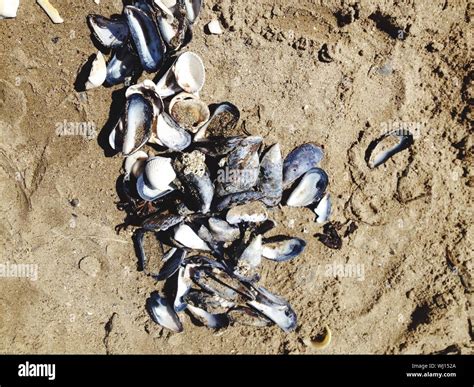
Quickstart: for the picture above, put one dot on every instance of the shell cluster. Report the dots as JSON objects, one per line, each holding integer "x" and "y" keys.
{"x": 200, "y": 198}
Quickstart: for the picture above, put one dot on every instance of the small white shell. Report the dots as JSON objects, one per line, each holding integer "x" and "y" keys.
{"x": 187, "y": 73}
{"x": 214, "y": 27}
{"x": 159, "y": 172}
{"x": 98, "y": 72}
{"x": 188, "y": 238}
{"x": 8, "y": 8}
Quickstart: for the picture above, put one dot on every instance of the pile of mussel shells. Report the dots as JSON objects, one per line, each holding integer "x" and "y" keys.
{"x": 199, "y": 198}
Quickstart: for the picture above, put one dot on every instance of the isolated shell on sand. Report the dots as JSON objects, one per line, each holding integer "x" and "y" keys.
{"x": 8, "y": 8}
{"x": 50, "y": 11}
{"x": 214, "y": 27}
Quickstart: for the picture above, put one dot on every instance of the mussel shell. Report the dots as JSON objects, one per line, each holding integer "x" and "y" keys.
{"x": 383, "y": 148}
{"x": 146, "y": 38}
{"x": 310, "y": 189}
{"x": 149, "y": 91}
{"x": 175, "y": 31}
{"x": 171, "y": 134}
{"x": 138, "y": 123}
{"x": 282, "y": 248}
{"x": 199, "y": 190}
{"x": 221, "y": 283}
{"x": 147, "y": 193}
{"x": 219, "y": 146}
{"x": 241, "y": 169}
{"x": 271, "y": 176}
{"x": 253, "y": 212}
{"x": 238, "y": 198}
{"x": 299, "y": 161}
{"x": 209, "y": 302}
{"x": 110, "y": 33}
{"x": 161, "y": 221}
{"x": 172, "y": 260}
{"x": 275, "y": 308}
{"x": 184, "y": 284}
{"x": 213, "y": 321}
{"x": 162, "y": 313}
{"x": 169, "y": 263}
{"x": 243, "y": 315}
{"x": 193, "y": 9}
{"x": 123, "y": 65}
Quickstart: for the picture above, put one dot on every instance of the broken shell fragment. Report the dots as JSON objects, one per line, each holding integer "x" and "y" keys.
{"x": 50, "y": 11}
{"x": 98, "y": 72}
{"x": 9, "y": 8}
{"x": 323, "y": 209}
{"x": 185, "y": 235}
{"x": 214, "y": 27}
